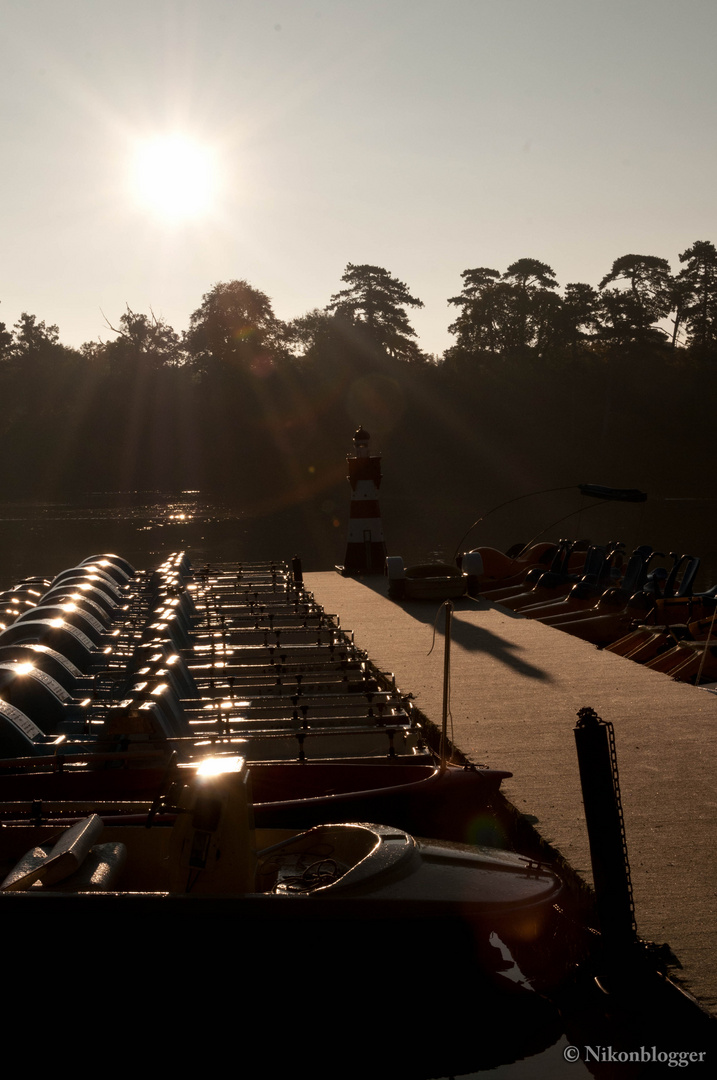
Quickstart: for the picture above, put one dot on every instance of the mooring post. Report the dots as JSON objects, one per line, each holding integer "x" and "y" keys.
{"x": 446, "y": 682}
{"x": 595, "y": 743}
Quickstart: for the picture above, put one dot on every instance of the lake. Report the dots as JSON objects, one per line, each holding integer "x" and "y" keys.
{"x": 44, "y": 537}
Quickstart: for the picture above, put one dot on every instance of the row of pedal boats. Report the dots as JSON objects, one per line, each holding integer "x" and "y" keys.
{"x": 261, "y": 672}
{"x": 208, "y": 748}
{"x": 643, "y": 606}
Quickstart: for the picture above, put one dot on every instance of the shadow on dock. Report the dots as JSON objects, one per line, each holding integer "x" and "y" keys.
{"x": 467, "y": 635}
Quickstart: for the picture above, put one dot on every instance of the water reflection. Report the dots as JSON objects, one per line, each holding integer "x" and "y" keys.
{"x": 140, "y": 525}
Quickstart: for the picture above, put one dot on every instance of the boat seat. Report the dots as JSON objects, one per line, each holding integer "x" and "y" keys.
{"x": 594, "y": 565}
{"x": 99, "y": 872}
{"x": 74, "y": 863}
{"x": 680, "y": 581}
{"x": 636, "y": 571}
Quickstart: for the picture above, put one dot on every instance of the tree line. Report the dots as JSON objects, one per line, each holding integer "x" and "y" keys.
{"x": 551, "y": 378}
{"x": 521, "y": 313}
{"x": 516, "y": 313}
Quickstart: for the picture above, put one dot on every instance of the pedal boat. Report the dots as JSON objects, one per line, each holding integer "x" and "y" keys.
{"x": 205, "y": 843}
{"x": 209, "y": 926}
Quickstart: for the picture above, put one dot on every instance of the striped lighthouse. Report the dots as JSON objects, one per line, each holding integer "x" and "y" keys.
{"x": 365, "y": 547}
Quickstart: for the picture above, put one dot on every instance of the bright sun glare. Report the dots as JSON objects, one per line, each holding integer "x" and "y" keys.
{"x": 174, "y": 177}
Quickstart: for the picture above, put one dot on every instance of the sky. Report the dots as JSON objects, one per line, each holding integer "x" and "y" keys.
{"x": 424, "y": 136}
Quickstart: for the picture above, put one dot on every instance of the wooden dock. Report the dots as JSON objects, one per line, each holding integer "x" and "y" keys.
{"x": 516, "y": 690}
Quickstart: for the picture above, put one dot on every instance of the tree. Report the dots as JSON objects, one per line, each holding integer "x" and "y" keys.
{"x": 35, "y": 350}
{"x": 510, "y": 314}
{"x": 698, "y": 286}
{"x": 235, "y": 326}
{"x": 480, "y": 325}
{"x": 5, "y": 341}
{"x": 531, "y": 281}
{"x": 375, "y": 303}
{"x": 530, "y": 274}
{"x": 630, "y": 313}
{"x": 308, "y": 333}
{"x": 32, "y": 337}
{"x": 577, "y": 320}
{"x": 141, "y": 340}
{"x": 40, "y": 379}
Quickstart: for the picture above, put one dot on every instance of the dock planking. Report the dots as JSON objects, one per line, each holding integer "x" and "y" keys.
{"x": 516, "y": 687}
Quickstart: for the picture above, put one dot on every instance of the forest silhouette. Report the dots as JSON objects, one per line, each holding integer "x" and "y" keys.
{"x": 542, "y": 385}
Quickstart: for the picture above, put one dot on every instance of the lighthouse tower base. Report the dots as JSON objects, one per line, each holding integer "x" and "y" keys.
{"x": 364, "y": 557}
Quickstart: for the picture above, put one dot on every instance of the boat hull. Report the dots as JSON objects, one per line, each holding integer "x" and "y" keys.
{"x": 455, "y": 803}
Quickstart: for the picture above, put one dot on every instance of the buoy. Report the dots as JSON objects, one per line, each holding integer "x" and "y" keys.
{"x": 365, "y": 546}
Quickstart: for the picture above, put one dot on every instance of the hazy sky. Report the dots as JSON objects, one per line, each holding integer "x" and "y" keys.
{"x": 425, "y": 136}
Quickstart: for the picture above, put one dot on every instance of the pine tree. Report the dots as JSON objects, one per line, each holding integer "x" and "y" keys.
{"x": 698, "y": 285}
{"x": 375, "y": 302}
{"x": 630, "y": 313}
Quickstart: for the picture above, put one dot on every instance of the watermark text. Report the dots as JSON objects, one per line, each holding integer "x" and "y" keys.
{"x": 678, "y": 1059}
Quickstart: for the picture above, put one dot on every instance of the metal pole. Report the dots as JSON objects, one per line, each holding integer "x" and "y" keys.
{"x": 446, "y": 682}
{"x": 595, "y": 743}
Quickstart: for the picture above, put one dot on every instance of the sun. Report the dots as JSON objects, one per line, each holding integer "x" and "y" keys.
{"x": 174, "y": 177}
